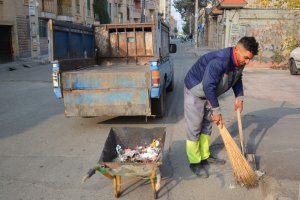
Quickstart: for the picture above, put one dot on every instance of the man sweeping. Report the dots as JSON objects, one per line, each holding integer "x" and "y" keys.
{"x": 212, "y": 75}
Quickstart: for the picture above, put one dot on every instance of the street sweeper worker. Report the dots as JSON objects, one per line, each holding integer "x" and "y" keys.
{"x": 213, "y": 74}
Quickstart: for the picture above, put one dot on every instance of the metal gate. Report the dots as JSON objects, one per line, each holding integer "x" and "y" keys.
{"x": 70, "y": 41}
{"x": 5, "y": 44}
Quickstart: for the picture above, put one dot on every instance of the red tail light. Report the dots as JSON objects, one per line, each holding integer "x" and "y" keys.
{"x": 155, "y": 78}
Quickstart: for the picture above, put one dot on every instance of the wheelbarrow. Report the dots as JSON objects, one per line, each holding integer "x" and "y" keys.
{"x": 130, "y": 138}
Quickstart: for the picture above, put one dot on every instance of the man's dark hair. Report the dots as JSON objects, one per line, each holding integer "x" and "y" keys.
{"x": 250, "y": 44}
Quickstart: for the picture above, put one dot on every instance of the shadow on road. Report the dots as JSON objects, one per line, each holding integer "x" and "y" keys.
{"x": 262, "y": 120}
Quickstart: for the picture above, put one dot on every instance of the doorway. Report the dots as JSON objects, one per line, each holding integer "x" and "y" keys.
{"x": 6, "y": 52}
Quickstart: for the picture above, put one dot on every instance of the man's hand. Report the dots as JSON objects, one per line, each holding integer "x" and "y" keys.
{"x": 238, "y": 104}
{"x": 217, "y": 119}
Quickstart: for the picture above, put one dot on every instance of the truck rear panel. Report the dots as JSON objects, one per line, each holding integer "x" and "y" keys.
{"x": 107, "y": 91}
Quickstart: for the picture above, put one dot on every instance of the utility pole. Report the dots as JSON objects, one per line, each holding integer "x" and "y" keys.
{"x": 196, "y": 23}
{"x": 34, "y": 28}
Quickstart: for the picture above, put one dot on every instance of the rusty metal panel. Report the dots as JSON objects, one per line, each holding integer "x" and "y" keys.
{"x": 149, "y": 43}
{"x": 140, "y": 42}
{"x": 118, "y": 102}
{"x": 100, "y": 77}
{"x": 102, "y": 41}
{"x": 114, "y": 44}
{"x": 131, "y": 41}
{"x": 122, "y": 44}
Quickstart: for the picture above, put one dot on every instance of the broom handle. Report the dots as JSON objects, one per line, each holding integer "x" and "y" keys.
{"x": 240, "y": 130}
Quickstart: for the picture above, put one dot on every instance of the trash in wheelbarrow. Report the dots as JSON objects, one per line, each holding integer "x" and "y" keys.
{"x": 134, "y": 152}
{"x": 139, "y": 154}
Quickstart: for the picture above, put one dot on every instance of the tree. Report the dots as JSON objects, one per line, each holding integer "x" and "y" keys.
{"x": 189, "y": 23}
{"x": 175, "y": 30}
{"x": 185, "y": 8}
{"x": 101, "y": 12}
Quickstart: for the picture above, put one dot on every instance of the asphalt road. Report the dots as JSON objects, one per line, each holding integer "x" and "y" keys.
{"x": 44, "y": 155}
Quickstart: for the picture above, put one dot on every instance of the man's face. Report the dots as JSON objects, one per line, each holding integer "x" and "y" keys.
{"x": 243, "y": 56}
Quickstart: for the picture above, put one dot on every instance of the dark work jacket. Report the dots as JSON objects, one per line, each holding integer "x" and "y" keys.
{"x": 213, "y": 74}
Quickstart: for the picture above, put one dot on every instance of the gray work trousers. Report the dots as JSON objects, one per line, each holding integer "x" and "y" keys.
{"x": 197, "y": 115}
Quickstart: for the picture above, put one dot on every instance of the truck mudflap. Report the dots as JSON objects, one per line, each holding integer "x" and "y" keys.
{"x": 110, "y": 102}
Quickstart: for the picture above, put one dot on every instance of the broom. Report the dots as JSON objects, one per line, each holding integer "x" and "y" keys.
{"x": 242, "y": 171}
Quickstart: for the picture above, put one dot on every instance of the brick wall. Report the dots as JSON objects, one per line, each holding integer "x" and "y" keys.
{"x": 23, "y": 36}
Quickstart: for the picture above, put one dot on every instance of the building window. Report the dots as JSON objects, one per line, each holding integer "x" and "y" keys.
{"x": 120, "y": 18}
{"x": 43, "y": 28}
{"x": 128, "y": 14}
{"x": 77, "y": 6}
{"x": 89, "y": 7}
{"x": 116, "y": 10}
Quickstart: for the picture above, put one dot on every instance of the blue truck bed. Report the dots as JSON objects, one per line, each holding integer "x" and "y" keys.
{"x": 107, "y": 91}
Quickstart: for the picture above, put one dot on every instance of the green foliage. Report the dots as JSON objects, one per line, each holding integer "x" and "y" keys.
{"x": 100, "y": 9}
{"x": 184, "y": 7}
{"x": 291, "y": 43}
{"x": 278, "y": 57}
{"x": 281, "y": 3}
{"x": 186, "y": 27}
{"x": 175, "y": 30}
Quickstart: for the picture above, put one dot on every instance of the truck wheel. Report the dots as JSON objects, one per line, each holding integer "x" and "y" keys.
{"x": 159, "y": 105}
{"x": 170, "y": 87}
{"x": 293, "y": 68}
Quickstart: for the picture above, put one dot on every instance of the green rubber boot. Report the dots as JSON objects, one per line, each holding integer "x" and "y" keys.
{"x": 204, "y": 141}
{"x": 193, "y": 151}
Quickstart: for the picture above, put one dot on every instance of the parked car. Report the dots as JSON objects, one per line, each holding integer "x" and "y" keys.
{"x": 294, "y": 61}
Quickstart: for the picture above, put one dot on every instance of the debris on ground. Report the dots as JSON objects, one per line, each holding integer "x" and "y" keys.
{"x": 139, "y": 154}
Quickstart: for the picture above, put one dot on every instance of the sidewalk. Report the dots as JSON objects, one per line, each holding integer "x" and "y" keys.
{"x": 22, "y": 64}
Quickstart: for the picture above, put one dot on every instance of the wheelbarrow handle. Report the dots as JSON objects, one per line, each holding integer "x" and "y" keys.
{"x": 238, "y": 113}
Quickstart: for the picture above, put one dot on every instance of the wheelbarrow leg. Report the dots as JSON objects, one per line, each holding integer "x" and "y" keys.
{"x": 152, "y": 179}
{"x": 117, "y": 186}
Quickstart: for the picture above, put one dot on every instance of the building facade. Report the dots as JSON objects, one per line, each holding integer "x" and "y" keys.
{"x": 165, "y": 10}
{"x": 23, "y": 24}
{"x": 130, "y": 11}
{"x": 173, "y": 25}
{"x": 227, "y": 21}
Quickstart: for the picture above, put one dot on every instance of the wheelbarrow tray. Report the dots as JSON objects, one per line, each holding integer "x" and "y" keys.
{"x": 130, "y": 137}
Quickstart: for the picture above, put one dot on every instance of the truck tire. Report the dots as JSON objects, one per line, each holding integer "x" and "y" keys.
{"x": 158, "y": 106}
{"x": 293, "y": 68}
{"x": 170, "y": 87}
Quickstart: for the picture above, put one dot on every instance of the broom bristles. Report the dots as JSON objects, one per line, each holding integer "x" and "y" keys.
{"x": 242, "y": 171}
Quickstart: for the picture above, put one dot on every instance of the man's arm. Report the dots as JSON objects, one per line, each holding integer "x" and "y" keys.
{"x": 212, "y": 76}
{"x": 238, "y": 89}
{"x": 239, "y": 95}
